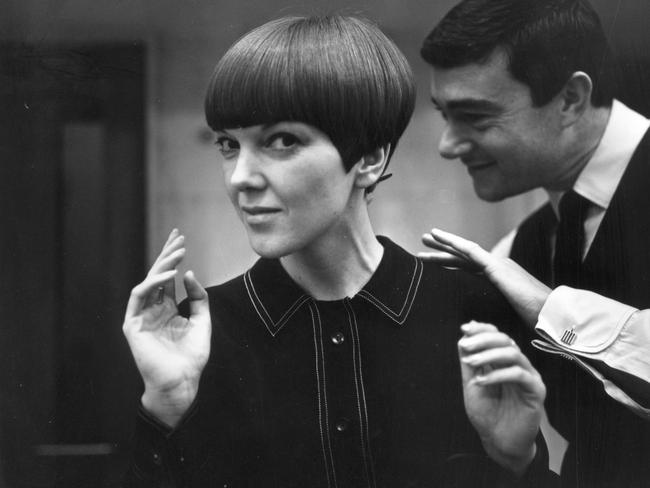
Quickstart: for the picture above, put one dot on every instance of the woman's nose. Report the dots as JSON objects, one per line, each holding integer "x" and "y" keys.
{"x": 246, "y": 174}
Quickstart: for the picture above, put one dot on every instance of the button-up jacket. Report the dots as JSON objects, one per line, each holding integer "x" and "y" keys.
{"x": 359, "y": 392}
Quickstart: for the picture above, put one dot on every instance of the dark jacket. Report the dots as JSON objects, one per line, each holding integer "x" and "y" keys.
{"x": 609, "y": 444}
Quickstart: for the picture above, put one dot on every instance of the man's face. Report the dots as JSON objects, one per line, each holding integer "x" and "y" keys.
{"x": 508, "y": 145}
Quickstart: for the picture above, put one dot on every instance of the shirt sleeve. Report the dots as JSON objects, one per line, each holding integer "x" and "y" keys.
{"x": 608, "y": 339}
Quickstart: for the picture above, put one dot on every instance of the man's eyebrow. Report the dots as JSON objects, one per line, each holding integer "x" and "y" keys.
{"x": 469, "y": 104}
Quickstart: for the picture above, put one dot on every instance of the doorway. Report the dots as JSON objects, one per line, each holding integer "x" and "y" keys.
{"x": 72, "y": 180}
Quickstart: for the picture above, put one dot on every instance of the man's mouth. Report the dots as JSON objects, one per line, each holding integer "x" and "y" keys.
{"x": 477, "y": 166}
{"x": 258, "y": 210}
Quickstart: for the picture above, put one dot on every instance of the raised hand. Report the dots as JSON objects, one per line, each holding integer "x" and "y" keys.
{"x": 504, "y": 394}
{"x": 170, "y": 351}
{"x": 524, "y": 292}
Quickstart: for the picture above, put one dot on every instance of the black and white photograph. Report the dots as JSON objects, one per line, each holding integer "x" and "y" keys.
{"x": 325, "y": 244}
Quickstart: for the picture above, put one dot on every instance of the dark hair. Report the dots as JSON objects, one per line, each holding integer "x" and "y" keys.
{"x": 546, "y": 41}
{"x": 339, "y": 74}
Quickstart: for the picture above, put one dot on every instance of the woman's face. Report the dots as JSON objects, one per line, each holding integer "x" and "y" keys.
{"x": 287, "y": 183}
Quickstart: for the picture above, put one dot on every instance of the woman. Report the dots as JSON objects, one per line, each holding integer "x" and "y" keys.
{"x": 331, "y": 361}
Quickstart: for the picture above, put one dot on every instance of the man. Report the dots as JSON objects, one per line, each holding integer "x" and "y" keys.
{"x": 524, "y": 89}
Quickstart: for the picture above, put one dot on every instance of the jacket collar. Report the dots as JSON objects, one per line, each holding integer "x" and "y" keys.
{"x": 275, "y": 297}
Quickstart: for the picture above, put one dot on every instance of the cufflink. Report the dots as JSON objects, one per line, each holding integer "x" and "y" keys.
{"x": 569, "y": 336}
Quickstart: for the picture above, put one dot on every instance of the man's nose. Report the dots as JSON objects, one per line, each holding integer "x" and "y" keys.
{"x": 453, "y": 145}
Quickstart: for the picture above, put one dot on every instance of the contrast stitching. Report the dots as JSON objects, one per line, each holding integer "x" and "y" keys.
{"x": 252, "y": 295}
{"x": 400, "y": 317}
{"x": 289, "y": 313}
{"x": 272, "y": 326}
{"x": 320, "y": 364}
{"x": 361, "y": 395}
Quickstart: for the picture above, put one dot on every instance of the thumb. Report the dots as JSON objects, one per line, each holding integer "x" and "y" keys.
{"x": 465, "y": 370}
{"x": 196, "y": 294}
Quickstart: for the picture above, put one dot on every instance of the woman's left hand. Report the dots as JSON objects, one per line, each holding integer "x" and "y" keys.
{"x": 504, "y": 395}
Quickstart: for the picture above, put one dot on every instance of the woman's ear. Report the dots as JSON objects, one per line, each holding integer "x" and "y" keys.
{"x": 575, "y": 97}
{"x": 371, "y": 166}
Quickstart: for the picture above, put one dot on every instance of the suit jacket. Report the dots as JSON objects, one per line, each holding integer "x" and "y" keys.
{"x": 609, "y": 444}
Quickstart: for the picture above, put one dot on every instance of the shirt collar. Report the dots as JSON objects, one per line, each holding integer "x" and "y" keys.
{"x": 598, "y": 180}
{"x": 275, "y": 297}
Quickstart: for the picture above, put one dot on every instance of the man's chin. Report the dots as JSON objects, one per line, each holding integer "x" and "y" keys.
{"x": 488, "y": 194}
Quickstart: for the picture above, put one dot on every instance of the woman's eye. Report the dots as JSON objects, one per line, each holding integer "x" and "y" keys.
{"x": 282, "y": 141}
{"x": 226, "y": 145}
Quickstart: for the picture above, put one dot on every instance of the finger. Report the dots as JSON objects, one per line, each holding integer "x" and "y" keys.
{"x": 465, "y": 247}
{"x": 168, "y": 263}
{"x": 443, "y": 258}
{"x": 516, "y": 375}
{"x": 473, "y": 327}
{"x": 170, "y": 247}
{"x": 142, "y": 291}
{"x": 484, "y": 340}
{"x": 171, "y": 261}
{"x": 468, "y": 371}
{"x": 430, "y": 241}
{"x": 172, "y": 235}
{"x": 497, "y": 357}
{"x": 196, "y": 294}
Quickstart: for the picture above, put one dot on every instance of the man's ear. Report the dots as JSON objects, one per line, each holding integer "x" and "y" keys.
{"x": 575, "y": 97}
{"x": 371, "y": 166}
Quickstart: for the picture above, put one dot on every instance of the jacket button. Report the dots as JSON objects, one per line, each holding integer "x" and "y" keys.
{"x": 338, "y": 338}
{"x": 157, "y": 459}
{"x": 342, "y": 425}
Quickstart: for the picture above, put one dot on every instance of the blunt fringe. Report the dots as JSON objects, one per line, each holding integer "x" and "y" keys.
{"x": 546, "y": 41}
{"x": 339, "y": 74}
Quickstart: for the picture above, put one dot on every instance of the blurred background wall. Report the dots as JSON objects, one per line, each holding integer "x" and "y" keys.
{"x": 182, "y": 41}
{"x": 159, "y": 171}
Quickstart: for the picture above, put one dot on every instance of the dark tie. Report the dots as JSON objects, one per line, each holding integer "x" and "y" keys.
{"x": 570, "y": 239}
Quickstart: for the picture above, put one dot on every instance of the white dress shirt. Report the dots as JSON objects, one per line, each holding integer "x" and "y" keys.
{"x": 582, "y": 324}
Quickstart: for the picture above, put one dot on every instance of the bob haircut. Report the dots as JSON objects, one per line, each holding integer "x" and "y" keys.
{"x": 546, "y": 41}
{"x": 339, "y": 74}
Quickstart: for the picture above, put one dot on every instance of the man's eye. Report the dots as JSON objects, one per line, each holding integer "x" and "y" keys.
{"x": 282, "y": 141}
{"x": 473, "y": 118}
{"x": 226, "y": 145}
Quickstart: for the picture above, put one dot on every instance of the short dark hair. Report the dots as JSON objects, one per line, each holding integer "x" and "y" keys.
{"x": 339, "y": 74}
{"x": 546, "y": 41}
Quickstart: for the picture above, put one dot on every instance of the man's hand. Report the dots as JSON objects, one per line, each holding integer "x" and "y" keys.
{"x": 504, "y": 395}
{"x": 526, "y": 294}
{"x": 170, "y": 351}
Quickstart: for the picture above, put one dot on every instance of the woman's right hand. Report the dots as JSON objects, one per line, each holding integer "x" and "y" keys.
{"x": 170, "y": 351}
